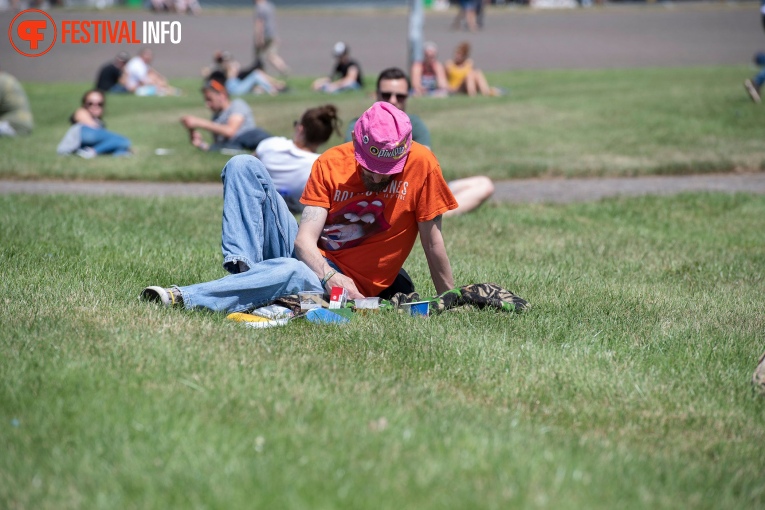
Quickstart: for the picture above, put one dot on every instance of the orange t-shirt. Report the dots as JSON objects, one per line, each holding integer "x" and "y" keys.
{"x": 369, "y": 235}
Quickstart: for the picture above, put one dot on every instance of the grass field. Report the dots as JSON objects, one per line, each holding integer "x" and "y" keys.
{"x": 626, "y": 385}
{"x": 571, "y": 123}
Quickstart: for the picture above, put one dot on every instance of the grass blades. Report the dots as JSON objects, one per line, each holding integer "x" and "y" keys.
{"x": 626, "y": 385}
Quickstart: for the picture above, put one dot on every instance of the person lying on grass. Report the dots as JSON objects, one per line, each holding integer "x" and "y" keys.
{"x": 365, "y": 203}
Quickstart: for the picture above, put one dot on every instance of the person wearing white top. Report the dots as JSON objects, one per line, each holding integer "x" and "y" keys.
{"x": 142, "y": 79}
{"x": 289, "y": 162}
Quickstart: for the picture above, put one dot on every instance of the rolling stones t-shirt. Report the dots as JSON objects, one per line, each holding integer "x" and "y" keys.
{"x": 369, "y": 235}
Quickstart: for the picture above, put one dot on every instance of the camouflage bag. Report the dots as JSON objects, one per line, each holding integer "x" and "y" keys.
{"x": 479, "y": 295}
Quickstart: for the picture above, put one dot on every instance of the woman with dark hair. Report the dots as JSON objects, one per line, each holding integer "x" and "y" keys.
{"x": 288, "y": 161}
{"x": 88, "y": 136}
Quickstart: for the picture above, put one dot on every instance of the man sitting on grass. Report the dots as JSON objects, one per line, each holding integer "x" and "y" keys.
{"x": 366, "y": 201}
{"x": 232, "y": 125}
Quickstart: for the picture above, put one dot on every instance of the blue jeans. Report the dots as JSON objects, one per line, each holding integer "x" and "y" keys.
{"x": 759, "y": 79}
{"x": 259, "y": 232}
{"x": 237, "y": 87}
{"x": 103, "y": 141}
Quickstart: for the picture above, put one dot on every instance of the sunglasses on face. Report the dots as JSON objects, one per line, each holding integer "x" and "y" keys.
{"x": 387, "y": 95}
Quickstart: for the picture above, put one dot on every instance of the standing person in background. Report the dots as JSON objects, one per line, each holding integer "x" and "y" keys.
{"x": 110, "y": 76}
{"x": 345, "y": 76}
{"x": 15, "y": 115}
{"x": 289, "y": 161}
{"x": 266, "y": 40}
{"x": 393, "y": 87}
{"x": 468, "y": 14}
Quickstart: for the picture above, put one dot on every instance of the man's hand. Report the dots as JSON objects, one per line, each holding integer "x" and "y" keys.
{"x": 197, "y": 140}
{"x": 340, "y": 280}
{"x": 435, "y": 252}
{"x": 190, "y": 122}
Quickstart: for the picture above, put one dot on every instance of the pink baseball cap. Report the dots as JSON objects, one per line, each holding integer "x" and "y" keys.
{"x": 382, "y": 138}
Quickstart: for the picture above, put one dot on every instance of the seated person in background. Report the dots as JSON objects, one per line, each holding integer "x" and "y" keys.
{"x": 110, "y": 76}
{"x": 429, "y": 76}
{"x": 243, "y": 81}
{"x": 366, "y": 202}
{"x": 232, "y": 124}
{"x": 345, "y": 76}
{"x": 289, "y": 162}
{"x": 143, "y": 80}
{"x": 88, "y": 136}
{"x": 15, "y": 115}
{"x": 463, "y": 78}
{"x": 392, "y": 87}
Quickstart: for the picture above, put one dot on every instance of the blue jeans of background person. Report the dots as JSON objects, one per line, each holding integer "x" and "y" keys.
{"x": 103, "y": 141}
{"x": 258, "y": 232}
{"x": 239, "y": 87}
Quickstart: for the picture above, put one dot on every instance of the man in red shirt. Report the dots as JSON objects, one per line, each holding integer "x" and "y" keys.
{"x": 366, "y": 202}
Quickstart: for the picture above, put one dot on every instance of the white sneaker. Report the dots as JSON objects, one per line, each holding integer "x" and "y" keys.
{"x": 87, "y": 153}
{"x": 168, "y": 297}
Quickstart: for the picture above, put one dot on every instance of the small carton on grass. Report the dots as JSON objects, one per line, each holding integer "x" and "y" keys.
{"x": 337, "y": 298}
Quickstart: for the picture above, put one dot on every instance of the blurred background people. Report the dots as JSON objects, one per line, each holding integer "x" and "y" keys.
{"x": 232, "y": 125}
{"x": 88, "y": 137}
{"x": 463, "y": 78}
{"x": 346, "y": 74}
{"x": 467, "y": 14}
{"x": 429, "y": 75}
{"x": 110, "y": 76}
{"x": 243, "y": 81}
{"x": 15, "y": 114}
{"x": 142, "y": 79}
{"x": 266, "y": 38}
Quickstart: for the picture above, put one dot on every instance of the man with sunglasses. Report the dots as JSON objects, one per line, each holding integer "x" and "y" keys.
{"x": 393, "y": 87}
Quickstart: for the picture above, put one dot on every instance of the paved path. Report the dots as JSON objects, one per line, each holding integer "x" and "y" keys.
{"x": 518, "y": 191}
{"x": 614, "y": 36}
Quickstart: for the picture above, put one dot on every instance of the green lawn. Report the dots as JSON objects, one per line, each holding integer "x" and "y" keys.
{"x": 571, "y": 123}
{"x": 625, "y": 386}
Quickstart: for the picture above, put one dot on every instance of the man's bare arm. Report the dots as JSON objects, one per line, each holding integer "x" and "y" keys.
{"x": 435, "y": 252}
{"x": 307, "y": 251}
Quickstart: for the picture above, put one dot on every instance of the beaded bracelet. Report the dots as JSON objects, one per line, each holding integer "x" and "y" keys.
{"x": 327, "y": 277}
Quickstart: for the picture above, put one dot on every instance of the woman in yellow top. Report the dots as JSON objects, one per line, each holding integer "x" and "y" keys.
{"x": 462, "y": 78}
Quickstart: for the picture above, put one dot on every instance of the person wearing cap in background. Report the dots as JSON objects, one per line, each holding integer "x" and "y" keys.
{"x": 110, "y": 77}
{"x": 232, "y": 125}
{"x": 393, "y": 86}
{"x": 345, "y": 76}
{"x": 365, "y": 203}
